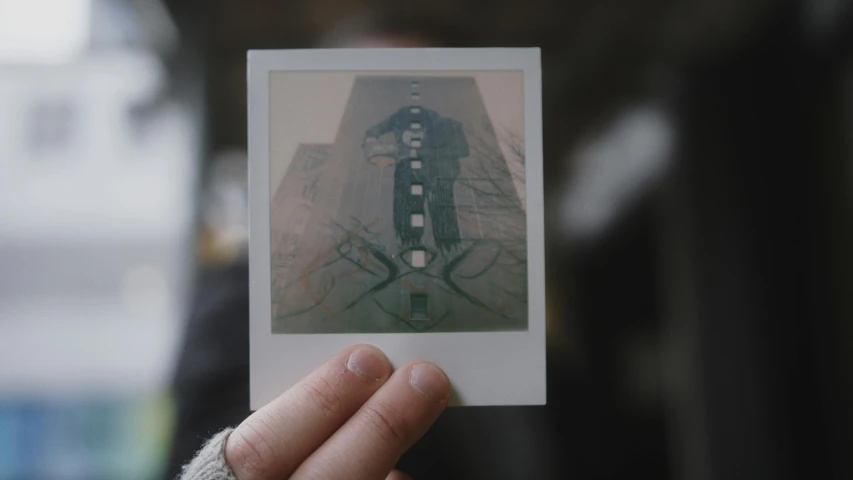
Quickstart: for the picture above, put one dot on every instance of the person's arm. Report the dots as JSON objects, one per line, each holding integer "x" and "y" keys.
{"x": 352, "y": 419}
{"x": 460, "y": 140}
{"x": 374, "y": 148}
{"x": 211, "y": 382}
{"x": 381, "y": 129}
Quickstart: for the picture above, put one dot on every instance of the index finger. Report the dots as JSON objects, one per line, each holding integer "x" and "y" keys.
{"x": 370, "y": 443}
{"x": 275, "y": 440}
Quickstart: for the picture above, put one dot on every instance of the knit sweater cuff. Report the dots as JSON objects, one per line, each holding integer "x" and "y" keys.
{"x": 209, "y": 463}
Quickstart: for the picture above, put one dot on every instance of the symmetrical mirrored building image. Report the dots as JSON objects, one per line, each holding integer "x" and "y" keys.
{"x": 412, "y": 219}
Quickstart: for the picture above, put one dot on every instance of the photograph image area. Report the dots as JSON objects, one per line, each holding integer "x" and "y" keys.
{"x": 397, "y": 202}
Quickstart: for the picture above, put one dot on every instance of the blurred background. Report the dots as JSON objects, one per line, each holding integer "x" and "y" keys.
{"x": 699, "y": 244}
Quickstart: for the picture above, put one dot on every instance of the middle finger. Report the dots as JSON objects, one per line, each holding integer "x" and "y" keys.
{"x": 273, "y": 441}
{"x": 368, "y": 446}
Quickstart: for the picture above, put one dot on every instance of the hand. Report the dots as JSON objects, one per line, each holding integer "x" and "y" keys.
{"x": 349, "y": 419}
{"x": 374, "y": 148}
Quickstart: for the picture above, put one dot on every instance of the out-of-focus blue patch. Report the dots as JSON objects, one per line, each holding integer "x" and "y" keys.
{"x": 81, "y": 440}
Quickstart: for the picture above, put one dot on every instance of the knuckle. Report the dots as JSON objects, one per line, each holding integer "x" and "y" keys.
{"x": 386, "y": 421}
{"x": 250, "y": 451}
{"x": 324, "y": 395}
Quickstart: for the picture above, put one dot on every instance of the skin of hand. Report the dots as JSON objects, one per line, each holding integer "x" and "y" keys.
{"x": 351, "y": 418}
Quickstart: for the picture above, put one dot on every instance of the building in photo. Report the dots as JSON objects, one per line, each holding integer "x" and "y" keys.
{"x": 411, "y": 220}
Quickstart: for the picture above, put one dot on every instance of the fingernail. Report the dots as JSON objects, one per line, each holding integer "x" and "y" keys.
{"x": 429, "y": 381}
{"x": 368, "y": 363}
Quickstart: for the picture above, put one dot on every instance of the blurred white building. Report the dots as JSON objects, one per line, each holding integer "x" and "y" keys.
{"x": 97, "y": 169}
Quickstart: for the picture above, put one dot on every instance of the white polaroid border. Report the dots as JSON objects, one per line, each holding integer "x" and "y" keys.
{"x": 488, "y": 368}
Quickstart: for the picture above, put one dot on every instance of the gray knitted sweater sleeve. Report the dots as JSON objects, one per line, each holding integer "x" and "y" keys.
{"x": 209, "y": 462}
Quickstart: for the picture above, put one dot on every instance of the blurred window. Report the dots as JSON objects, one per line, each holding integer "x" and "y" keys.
{"x": 419, "y": 306}
{"x": 418, "y": 258}
{"x": 50, "y": 126}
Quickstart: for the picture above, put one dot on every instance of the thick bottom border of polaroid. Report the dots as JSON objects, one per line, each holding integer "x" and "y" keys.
{"x": 486, "y": 369}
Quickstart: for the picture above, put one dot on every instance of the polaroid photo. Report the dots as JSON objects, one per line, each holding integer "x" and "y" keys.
{"x": 396, "y": 200}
